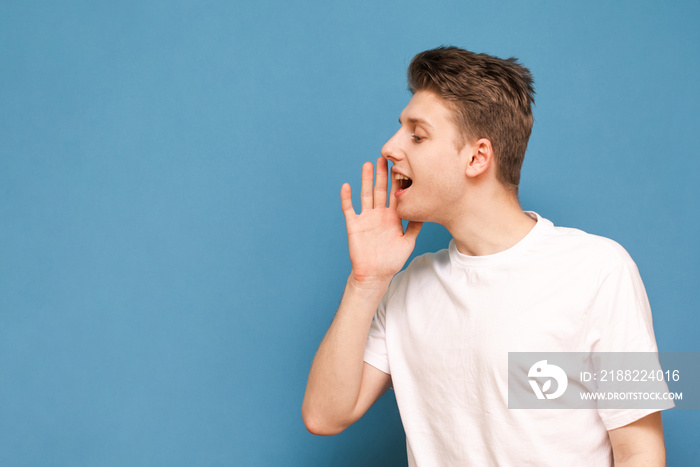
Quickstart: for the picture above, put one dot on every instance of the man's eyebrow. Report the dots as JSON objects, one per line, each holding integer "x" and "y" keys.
{"x": 415, "y": 120}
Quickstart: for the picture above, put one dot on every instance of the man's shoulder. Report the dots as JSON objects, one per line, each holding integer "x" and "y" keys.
{"x": 423, "y": 267}
{"x": 577, "y": 245}
{"x": 420, "y": 274}
{"x": 428, "y": 262}
{"x": 588, "y": 242}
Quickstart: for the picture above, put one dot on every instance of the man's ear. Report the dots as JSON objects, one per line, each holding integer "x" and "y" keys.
{"x": 479, "y": 157}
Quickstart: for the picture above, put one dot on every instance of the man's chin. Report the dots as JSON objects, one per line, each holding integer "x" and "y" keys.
{"x": 410, "y": 216}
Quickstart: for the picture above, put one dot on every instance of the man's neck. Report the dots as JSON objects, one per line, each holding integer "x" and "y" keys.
{"x": 490, "y": 226}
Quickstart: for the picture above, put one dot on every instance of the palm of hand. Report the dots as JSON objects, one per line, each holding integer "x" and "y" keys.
{"x": 377, "y": 244}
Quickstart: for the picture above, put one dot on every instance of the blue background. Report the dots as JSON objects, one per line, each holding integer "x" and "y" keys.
{"x": 172, "y": 248}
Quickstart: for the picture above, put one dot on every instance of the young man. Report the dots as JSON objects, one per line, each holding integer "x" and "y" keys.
{"x": 440, "y": 331}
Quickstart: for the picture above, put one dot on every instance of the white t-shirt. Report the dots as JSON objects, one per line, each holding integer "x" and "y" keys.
{"x": 446, "y": 324}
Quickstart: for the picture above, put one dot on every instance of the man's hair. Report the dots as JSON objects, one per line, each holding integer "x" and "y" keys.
{"x": 491, "y": 98}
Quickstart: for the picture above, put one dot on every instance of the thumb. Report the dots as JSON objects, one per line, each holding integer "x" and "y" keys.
{"x": 412, "y": 230}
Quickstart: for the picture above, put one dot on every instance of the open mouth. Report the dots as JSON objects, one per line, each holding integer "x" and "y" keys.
{"x": 403, "y": 181}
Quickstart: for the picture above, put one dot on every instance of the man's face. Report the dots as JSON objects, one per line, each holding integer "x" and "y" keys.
{"x": 425, "y": 151}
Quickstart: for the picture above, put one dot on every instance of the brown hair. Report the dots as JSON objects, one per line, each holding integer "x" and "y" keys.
{"x": 492, "y": 98}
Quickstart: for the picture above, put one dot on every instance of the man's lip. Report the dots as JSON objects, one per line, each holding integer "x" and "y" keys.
{"x": 399, "y": 191}
{"x": 394, "y": 171}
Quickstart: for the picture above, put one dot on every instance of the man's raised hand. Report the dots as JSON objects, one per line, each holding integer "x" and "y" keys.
{"x": 377, "y": 243}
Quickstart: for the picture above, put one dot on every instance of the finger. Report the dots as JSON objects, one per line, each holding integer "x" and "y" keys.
{"x": 366, "y": 192}
{"x": 412, "y": 230}
{"x": 346, "y": 201}
{"x": 381, "y": 183}
{"x": 392, "y": 194}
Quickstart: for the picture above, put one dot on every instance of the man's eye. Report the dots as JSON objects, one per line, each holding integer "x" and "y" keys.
{"x": 417, "y": 138}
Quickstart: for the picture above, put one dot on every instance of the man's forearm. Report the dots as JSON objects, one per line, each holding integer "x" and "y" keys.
{"x": 341, "y": 387}
{"x": 335, "y": 378}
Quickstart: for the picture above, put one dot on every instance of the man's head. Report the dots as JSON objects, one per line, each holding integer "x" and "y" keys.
{"x": 490, "y": 98}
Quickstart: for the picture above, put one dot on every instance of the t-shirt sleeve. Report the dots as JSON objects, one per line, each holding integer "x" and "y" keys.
{"x": 376, "y": 349}
{"x": 622, "y": 322}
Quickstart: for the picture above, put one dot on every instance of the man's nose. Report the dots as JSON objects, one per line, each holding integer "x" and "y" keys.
{"x": 391, "y": 150}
